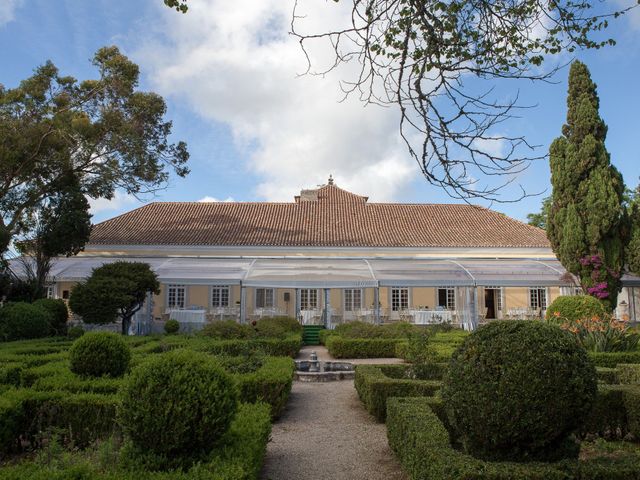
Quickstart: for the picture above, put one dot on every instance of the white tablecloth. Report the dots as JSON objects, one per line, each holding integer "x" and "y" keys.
{"x": 311, "y": 317}
{"x": 426, "y": 317}
{"x": 188, "y": 316}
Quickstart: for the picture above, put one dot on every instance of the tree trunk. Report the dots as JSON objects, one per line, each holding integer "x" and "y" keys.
{"x": 126, "y": 322}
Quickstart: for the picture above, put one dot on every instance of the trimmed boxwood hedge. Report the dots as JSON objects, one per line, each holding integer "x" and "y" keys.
{"x": 83, "y": 417}
{"x": 611, "y": 359}
{"x": 241, "y": 458}
{"x": 376, "y": 383}
{"x": 361, "y": 347}
{"x": 422, "y": 443}
{"x": 271, "y": 383}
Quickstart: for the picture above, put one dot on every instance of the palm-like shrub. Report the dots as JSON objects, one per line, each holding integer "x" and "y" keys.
{"x": 602, "y": 333}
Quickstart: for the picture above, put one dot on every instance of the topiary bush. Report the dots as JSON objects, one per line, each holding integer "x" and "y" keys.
{"x": 177, "y": 406}
{"x": 95, "y": 354}
{"x": 227, "y": 330}
{"x": 572, "y": 308}
{"x": 517, "y": 390}
{"x": 59, "y": 313}
{"x": 23, "y": 320}
{"x": 171, "y": 326}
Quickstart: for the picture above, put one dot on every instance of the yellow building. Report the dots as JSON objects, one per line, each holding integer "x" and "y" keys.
{"x": 330, "y": 256}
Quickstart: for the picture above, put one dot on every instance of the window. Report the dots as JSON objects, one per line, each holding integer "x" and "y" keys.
{"x": 352, "y": 299}
{"x": 264, "y": 298}
{"x": 50, "y": 291}
{"x": 399, "y": 299}
{"x": 176, "y": 296}
{"x": 308, "y": 299}
{"x": 220, "y": 296}
{"x": 538, "y": 298}
{"x": 447, "y": 298}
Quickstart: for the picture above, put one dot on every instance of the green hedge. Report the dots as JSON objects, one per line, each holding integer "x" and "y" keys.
{"x": 611, "y": 359}
{"x": 361, "y": 348}
{"x": 240, "y": 458}
{"x": 83, "y": 417}
{"x": 324, "y": 334}
{"x": 271, "y": 383}
{"x": 628, "y": 373}
{"x": 274, "y": 347}
{"x": 422, "y": 444}
{"x": 376, "y": 383}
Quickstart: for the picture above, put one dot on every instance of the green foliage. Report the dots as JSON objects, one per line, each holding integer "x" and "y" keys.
{"x": 227, "y": 330}
{"x": 587, "y": 215}
{"x": 99, "y": 353}
{"x": 633, "y": 248}
{"x": 239, "y": 458}
{"x": 270, "y": 383}
{"x": 540, "y": 219}
{"x": 277, "y": 327}
{"x": 101, "y": 132}
{"x": 171, "y": 326}
{"x": 75, "y": 332}
{"x": 576, "y": 307}
{"x": 375, "y": 384}
{"x": 118, "y": 288}
{"x": 59, "y": 314}
{"x": 361, "y": 347}
{"x": 611, "y": 359}
{"x": 369, "y": 330}
{"x": 277, "y": 347}
{"x": 422, "y": 443}
{"x": 177, "y": 406}
{"x": 23, "y": 320}
{"x": 532, "y": 385}
{"x": 24, "y": 414}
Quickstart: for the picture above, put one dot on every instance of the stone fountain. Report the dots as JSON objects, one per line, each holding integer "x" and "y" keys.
{"x": 314, "y": 370}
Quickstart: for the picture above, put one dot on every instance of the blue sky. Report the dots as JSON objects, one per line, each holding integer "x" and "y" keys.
{"x": 257, "y": 131}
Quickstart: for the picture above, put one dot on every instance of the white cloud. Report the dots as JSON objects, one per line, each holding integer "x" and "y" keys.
{"x": 120, "y": 201}
{"x": 208, "y": 199}
{"x": 633, "y": 16}
{"x": 234, "y": 62}
{"x": 7, "y": 10}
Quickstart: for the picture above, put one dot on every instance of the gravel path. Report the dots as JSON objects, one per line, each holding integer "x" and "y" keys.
{"x": 325, "y": 433}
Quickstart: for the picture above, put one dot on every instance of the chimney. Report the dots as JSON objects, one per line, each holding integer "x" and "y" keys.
{"x": 309, "y": 195}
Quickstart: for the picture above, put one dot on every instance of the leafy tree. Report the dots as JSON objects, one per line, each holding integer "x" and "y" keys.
{"x": 102, "y": 132}
{"x": 112, "y": 290}
{"x": 62, "y": 227}
{"x": 633, "y": 249}
{"x": 438, "y": 62}
{"x": 540, "y": 219}
{"x": 179, "y": 5}
{"x": 587, "y": 224}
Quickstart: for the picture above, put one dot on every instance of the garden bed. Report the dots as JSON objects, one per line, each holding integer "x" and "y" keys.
{"x": 423, "y": 445}
{"x": 240, "y": 457}
{"x": 375, "y": 384}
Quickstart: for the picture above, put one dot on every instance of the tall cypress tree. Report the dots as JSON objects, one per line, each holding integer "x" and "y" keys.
{"x": 587, "y": 224}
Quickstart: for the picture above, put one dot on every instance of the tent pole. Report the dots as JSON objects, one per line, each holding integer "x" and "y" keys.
{"x": 376, "y": 303}
{"x": 243, "y": 304}
{"x": 297, "y": 294}
{"x": 327, "y": 315}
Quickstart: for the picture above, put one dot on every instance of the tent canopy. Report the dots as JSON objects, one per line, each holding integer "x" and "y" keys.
{"x": 300, "y": 272}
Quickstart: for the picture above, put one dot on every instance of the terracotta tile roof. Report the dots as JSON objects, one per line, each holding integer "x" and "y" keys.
{"x": 327, "y": 217}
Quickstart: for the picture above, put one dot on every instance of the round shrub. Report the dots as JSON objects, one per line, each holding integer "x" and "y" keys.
{"x": 96, "y": 354}
{"x": 75, "y": 332}
{"x": 171, "y": 326}
{"x": 516, "y": 390}
{"x": 227, "y": 330}
{"x": 23, "y": 320}
{"x": 572, "y": 308}
{"x": 177, "y": 404}
{"x": 59, "y": 312}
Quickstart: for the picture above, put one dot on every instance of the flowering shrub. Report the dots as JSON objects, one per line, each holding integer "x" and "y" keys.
{"x": 601, "y": 333}
{"x": 599, "y": 286}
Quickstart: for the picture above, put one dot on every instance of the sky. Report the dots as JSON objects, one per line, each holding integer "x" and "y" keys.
{"x": 258, "y": 130}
